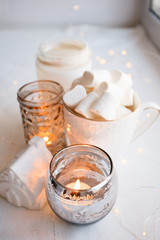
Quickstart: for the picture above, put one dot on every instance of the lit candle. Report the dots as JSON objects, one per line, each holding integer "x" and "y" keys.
{"x": 78, "y": 185}
{"x": 48, "y": 137}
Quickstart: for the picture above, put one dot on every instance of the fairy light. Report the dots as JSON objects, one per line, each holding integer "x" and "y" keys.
{"x": 116, "y": 211}
{"x": 148, "y": 115}
{"x": 144, "y": 233}
{"x": 140, "y": 150}
{"x": 124, "y": 161}
{"x": 76, "y": 7}
{"x": 15, "y": 82}
{"x": 124, "y": 52}
{"x": 102, "y": 61}
{"x": 111, "y": 52}
{"x": 129, "y": 74}
{"x": 128, "y": 64}
{"x": 68, "y": 128}
{"x": 151, "y": 217}
{"x": 120, "y": 220}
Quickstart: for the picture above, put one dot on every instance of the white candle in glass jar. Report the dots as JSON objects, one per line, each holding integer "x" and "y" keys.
{"x": 63, "y": 61}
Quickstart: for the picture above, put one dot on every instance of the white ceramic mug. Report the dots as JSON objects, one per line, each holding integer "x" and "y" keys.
{"x": 112, "y": 136}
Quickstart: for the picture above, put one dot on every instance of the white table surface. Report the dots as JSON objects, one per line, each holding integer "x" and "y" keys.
{"x": 136, "y": 214}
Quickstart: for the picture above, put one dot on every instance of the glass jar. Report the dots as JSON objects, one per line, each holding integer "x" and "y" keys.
{"x": 82, "y": 185}
{"x": 42, "y": 112}
{"x": 63, "y": 61}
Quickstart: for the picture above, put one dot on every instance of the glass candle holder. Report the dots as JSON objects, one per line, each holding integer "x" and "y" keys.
{"x": 82, "y": 184}
{"x": 42, "y": 112}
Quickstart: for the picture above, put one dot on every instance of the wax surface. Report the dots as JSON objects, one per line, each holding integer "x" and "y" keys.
{"x": 78, "y": 185}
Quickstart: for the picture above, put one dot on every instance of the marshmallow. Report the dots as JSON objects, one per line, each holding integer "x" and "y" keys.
{"x": 92, "y": 79}
{"x": 116, "y": 90}
{"x": 122, "y": 79}
{"x": 86, "y": 79}
{"x": 106, "y": 106}
{"x": 122, "y": 112}
{"x": 106, "y": 92}
{"x": 84, "y": 107}
{"x": 22, "y": 182}
{"x": 127, "y": 99}
{"x": 73, "y": 97}
{"x": 99, "y": 77}
{"x": 101, "y": 88}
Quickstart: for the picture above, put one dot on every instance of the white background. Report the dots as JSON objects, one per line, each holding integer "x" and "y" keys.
{"x": 24, "y": 24}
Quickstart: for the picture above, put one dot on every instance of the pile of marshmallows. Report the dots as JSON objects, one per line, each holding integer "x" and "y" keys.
{"x": 101, "y": 95}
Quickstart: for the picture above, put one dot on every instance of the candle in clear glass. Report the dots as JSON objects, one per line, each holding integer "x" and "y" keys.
{"x": 42, "y": 113}
{"x": 97, "y": 190}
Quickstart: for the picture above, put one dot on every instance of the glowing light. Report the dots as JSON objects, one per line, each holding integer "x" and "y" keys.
{"x": 77, "y": 184}
{"x": 144, "y": 234}
{"x": 102, "y": 61}
{"x": 15, "y": 82}
{"x": 111, "y": 52}
{"x": 140, "y": 150}
{"x": 124, "y": 52}
{"x": 129, "y": 74}
{"x": 116, "y": 211}
{"x": 68, "y": 128}
{"x": 128, "y": 65}
{"x": 124, "y": 161}
{"x": 46, "y": 139}
{"x": 148, "y": 115}
{"x": 75, "y": 7}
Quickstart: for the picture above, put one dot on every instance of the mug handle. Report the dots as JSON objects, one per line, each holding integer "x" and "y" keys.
{"x": 148, "y": 122}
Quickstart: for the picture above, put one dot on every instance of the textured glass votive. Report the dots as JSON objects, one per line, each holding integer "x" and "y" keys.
{"x": 42, "y": 112}
{"x": 82, "y": 185}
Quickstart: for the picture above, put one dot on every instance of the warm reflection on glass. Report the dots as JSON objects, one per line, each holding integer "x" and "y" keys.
{"x": 42, "y": 113}
{"x": 82, "y": 184}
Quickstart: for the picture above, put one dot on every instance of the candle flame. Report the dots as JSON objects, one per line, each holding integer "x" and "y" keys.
{"x": 77, "y": 184}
